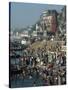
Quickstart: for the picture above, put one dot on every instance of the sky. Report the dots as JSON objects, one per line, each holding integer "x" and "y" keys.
{"x": 26, "y": 14}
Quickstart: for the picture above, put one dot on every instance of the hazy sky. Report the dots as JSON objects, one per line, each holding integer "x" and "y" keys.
{"x": 25, "y": 14}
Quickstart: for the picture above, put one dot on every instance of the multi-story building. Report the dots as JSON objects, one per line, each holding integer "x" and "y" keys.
{"x": 62, "y": 23}
{"x": 48, "y": 21}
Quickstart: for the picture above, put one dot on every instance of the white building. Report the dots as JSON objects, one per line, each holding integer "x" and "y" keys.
{"x": 34, "y": 34}
{"x": 24, "y": 34}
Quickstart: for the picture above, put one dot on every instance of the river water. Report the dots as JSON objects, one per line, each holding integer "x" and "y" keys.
{"x": 27, "y": 82}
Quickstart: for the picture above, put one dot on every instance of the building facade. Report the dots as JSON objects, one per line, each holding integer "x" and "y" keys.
{"x": 48, "y": 21}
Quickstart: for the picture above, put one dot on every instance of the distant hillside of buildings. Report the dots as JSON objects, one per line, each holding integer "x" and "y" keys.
{"x": 50, "y": 23}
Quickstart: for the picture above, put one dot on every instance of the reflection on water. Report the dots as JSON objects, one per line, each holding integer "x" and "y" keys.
{"x": 27, "y": 82}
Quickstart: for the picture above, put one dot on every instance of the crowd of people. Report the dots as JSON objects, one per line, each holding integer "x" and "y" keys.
{"x": 47, "y": 65}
